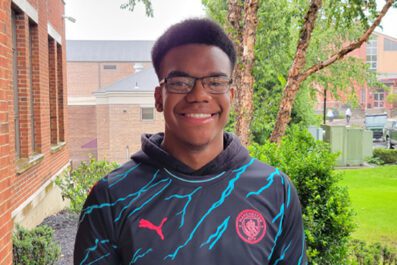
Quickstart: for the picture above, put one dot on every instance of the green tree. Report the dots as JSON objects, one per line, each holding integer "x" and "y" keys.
{"x": 339, "y": 14}
{"x": 277, "y": 35}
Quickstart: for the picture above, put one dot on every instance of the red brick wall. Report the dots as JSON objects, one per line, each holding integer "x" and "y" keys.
{"x": 120, "y": 128}
{"x": 6, "y": 157}
{"x": 84, "y": 78}
{"x": 15, "y": 189}
{"x": 82, "y": 130}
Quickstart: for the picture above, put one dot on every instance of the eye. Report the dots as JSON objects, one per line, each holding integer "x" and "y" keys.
{"x": 179, "y": 82}
{"x": 216, "y": 82}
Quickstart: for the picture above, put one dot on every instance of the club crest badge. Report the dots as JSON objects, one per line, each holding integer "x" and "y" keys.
{"x": 250, "y": 226}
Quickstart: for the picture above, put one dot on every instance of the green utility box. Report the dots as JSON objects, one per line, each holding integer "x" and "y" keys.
{"x": 353, "y": 144}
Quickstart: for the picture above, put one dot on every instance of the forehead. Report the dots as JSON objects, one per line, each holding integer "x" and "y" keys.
{"x": 195, "y": 59}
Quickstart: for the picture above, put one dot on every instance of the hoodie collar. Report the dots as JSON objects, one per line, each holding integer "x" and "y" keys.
{"x": 233, "y": 156}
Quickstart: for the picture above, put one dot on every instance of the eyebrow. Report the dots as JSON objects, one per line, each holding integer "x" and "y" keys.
{"x": 181, "y": 73}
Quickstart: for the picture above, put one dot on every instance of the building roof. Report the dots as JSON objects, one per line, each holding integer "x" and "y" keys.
{"x": 143, "y": 81}
{"x": 108, "y": 50}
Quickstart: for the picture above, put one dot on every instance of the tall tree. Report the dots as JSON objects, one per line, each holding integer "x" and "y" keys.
{"x": 244, "y": 105}
{"x": 297, "y": 73}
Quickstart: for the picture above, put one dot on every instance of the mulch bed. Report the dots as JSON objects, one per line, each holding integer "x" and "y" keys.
{"x": 64, "y": 224}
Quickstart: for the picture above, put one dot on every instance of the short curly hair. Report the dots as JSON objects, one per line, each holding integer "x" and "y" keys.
{"x": 192, "y": 31}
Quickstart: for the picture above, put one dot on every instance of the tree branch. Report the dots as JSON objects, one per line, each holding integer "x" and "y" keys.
{"x": 352, "y": 46}
{"x": 293, "y": 82}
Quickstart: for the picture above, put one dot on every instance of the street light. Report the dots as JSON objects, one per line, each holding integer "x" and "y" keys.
{"x": 71, "y": 19}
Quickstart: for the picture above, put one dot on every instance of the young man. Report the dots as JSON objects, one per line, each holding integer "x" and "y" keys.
{"x": 192, "y": 195}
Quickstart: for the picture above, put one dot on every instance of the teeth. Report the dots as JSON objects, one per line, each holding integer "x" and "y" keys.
{"x": 198, "y": 115}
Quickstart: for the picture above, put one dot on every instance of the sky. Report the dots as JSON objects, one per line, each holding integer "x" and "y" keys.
{"x": 104, "y": 20}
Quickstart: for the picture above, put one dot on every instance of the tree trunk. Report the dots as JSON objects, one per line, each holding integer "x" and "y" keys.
{"x": 294, "y": 81}
{"x": 297, "y": 75}
{"x": 235, "y": 12}
{"x": 244, "y": 107}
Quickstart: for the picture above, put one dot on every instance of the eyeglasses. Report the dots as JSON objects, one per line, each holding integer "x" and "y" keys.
{"x": 185, "y": 84}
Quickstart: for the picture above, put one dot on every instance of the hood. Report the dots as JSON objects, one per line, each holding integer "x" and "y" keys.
{"x": 233, "y": 156}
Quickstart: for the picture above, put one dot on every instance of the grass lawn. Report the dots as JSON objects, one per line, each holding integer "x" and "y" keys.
{"x": 373, "y": 192}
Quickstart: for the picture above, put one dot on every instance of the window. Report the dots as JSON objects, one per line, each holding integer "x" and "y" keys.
{"x": 61, "y": 128}
{"x": 390, "y": 45}
{"x": 110, "y": 67}
{"x": 379, "y": 99}
{"x": 371, "y": 52}
{"x": 363, "y": 95}
{"x": 24, "y": 37}
{"x": 52, "y": 71}
{"x": 15, "y": 85}
{"x": 56, "y": 93}
{"x": 35, "y": 87}
{"x": 147, "y": 114}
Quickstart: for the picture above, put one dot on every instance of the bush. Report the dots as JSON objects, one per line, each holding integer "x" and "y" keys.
{"x": 35, "y": 247}
{"x": 388, "y": 156}
{"x": 326, "y": 208}
{"x": 373, "y": 254}
{"x": 76, "y": 184}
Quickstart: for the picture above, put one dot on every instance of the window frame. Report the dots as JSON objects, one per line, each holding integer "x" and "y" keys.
{"x": 142, "y": 108}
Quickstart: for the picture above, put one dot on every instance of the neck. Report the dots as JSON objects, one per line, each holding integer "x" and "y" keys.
{"x": 194, "y": 156}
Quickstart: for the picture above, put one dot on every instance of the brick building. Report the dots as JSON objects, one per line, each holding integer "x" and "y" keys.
{"x": 33, "y": 115}
{"x": 380, "y": 53}
{"x": 110, "y": 98}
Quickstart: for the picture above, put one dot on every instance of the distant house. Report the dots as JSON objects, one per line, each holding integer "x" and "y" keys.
{"x": 33, "y": 114}
{"x": 110, "y": 100}
{"x": 380, "y": 53}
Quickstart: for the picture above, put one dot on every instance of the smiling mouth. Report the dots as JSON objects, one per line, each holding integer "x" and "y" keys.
{"x": 199, "y": 115}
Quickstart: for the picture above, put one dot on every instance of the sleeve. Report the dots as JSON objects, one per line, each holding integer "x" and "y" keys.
{"x": 291, "y": 246}
{"x": 95, "y": 240}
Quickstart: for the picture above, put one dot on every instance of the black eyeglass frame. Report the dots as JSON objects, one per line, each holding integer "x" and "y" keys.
{"x": 194, "y": 79}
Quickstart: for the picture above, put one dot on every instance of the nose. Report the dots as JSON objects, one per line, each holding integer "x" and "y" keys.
{"x": 198, "y": 93}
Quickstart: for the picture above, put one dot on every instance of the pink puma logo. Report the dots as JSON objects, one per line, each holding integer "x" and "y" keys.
{"x": 149, "y": 225}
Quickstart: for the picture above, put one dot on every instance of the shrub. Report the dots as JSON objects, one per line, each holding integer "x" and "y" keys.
{"x": 76, "y": 184}
{"x": 326, "y": 208}
{"x": 35, "y": 247}
{"x": 375, "y": 160}
{"x": 388, "y": 156}
{"x": 373, "y": 254}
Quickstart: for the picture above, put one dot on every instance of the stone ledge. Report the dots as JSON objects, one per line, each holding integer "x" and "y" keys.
{"x": 55, "y": 148}
{"x": 24, "y": 164}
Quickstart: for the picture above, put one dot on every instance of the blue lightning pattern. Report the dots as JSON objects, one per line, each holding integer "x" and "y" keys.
{"x": 148, "y": 186}
{"x": 137, "y": 256}
{"x": 215, "y": 205}
{"x": 282, "y": 256}
{"x": 93, "y": 248}
{"x": 138, "y": 194}
{"x": 124, "y": 175}
{"x": 280, "y": 229}
{"x": 270, "y": 180}
{"x": 189, "y": 199}
{"x": 150, "y": 199}
{"x": 98, "y": 259}
{"x": 288, "y": 195}
{"x": 218, "y": 234}
{"x": 303, "y": 248}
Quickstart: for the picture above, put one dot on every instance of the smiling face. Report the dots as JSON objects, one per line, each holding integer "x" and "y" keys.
{"x": 195, "y": 120}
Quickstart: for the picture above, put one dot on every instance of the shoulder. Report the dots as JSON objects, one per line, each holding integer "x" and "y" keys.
{"x": 125, "y": 179}
{"x": 266, "y": 180}
{"x": 260, "y": 170}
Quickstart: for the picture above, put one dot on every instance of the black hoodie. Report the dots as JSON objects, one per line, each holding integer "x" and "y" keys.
{"x": 156, "y": 210}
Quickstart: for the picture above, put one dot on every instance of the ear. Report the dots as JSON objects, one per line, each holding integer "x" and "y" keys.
{"x": 158, "y": 99}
